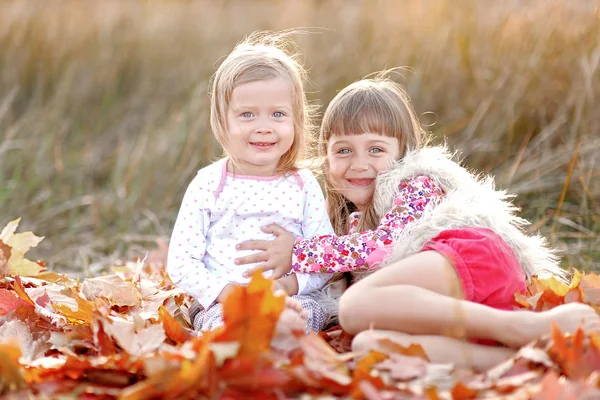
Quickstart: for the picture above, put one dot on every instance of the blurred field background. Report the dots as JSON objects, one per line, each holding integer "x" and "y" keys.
{"x": 104, "y": 106}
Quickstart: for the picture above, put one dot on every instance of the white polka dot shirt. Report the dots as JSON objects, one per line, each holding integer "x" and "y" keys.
{"x": 220, "y": 210}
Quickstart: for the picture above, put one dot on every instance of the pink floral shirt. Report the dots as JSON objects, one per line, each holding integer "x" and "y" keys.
{"x": 365, "y": 250}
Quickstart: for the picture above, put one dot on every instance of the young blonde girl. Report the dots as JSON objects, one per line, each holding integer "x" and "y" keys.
{"x": 260, "y": 116}
{"x": 440, "y": 249}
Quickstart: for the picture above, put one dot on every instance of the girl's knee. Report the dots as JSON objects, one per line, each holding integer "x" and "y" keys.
{"x": 351, "y": 313}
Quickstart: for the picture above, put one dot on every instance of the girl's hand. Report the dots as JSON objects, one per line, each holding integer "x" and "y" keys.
{"x": 276, "y": 253}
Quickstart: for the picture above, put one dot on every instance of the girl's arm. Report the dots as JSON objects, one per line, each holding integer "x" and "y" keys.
{"x": 316, "y": 223}
{"x": 364, "y": 250}
{"x": 187, "y": 248}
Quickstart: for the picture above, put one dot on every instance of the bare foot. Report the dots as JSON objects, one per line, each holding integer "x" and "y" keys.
{"x": 530, "y": 326}
{"x": 291, "y": 320}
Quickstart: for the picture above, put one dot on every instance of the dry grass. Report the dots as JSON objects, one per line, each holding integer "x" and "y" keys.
{"x": 104, "y": 115}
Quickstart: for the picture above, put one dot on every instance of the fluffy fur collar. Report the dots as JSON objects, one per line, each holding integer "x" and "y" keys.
{"x": 471, "y": 201}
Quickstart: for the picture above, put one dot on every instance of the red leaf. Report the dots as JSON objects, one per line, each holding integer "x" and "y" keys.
{"x": 10, "y": 302}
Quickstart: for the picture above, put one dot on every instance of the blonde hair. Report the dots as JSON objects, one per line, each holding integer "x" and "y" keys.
{"x": 263, "y": 56}
{"x": 377, "y": 105}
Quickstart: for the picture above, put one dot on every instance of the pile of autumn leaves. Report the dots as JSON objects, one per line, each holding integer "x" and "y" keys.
{"x": 127, "y": 335}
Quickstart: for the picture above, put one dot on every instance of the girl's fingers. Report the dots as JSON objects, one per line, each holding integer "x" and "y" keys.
{"x": 277, "y": 273}
{"x": 262, "y": 267}
{"x": 253, "y": 245}
{"x": 252, "y": 258}
{"x": 273, "y": 229}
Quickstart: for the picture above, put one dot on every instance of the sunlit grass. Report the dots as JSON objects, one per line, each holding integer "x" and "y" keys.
{"x": 104, "y": 106}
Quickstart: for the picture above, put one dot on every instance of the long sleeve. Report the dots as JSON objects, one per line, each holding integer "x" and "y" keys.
{"x": 188, "y": 245}
{"x": 362, "y": 250}
{"x": 316, "y": 223}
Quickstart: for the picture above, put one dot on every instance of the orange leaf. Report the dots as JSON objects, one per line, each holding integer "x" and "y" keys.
{"x": 20, "y": 290}
{"x": 460, "y": 392}
{"x": 569, "y": 352}
{"x": 250, "y": 315}
{"x": 549, "y": 299}
{"x": 10, "y": 369}
{"x": 82, "y": 316}
{"x": 102, "y": 341}
{"x": 173, "y": 328}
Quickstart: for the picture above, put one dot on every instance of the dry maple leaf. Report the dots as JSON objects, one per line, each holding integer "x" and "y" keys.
{"x": 11, "y": 377}
{"x": 136, "y": 342}
{"x": 250, "y": 315}
{"x": 9, "y": 302}
{"x": 19, "y": 244}
{"x": 19, "y": 331}
{"x": 576, "y": 358}
{"x": 113, "y": 288}
{"x": 173, "y": 329}
{"x": 81, "y": 316}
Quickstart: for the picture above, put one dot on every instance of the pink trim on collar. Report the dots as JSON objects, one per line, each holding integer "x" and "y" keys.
{"x": 225, "y": 174}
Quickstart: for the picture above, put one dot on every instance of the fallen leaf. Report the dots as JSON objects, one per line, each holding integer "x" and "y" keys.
{"x": 17, "y": 330}
{"x": 11, "y": 377}
{"x": 250, "y": 315}
{"x": 19, "y": 244}
{"x": 320, "y": 358}
{"x": 82, "y": 315}
{"x": 136, "y": 343}
{"x": 9, "y": 302}
{"x": 5, "y": 254}
{"x": 20, "y": 291}
{"x": 462, "y": 392}
{"x": 113, "y": 288}
{"x": 173, "y": 329}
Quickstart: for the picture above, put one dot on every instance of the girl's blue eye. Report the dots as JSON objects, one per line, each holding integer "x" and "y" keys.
{"x": 376, "y": 150}
{"x": 344, "y": 151}
{"x": 278, "y": 114}
{"x": 247, "y": 114}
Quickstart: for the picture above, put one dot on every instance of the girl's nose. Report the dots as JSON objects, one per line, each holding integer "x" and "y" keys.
{"x": 263, "y": 129}
{"x": 359, "y": 166}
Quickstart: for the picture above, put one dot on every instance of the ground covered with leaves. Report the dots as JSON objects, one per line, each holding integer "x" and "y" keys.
{"x": 127, "y": 335}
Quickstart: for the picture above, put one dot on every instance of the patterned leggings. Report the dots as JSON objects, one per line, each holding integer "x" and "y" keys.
{"x": 205, "y": 320}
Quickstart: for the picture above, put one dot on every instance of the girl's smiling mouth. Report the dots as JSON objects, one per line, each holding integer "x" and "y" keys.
{"x": 262, "y": 145}
{"x": 361, "y": 182}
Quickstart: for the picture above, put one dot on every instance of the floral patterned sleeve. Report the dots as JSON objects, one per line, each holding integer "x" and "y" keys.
{"x": 362, "y": 250}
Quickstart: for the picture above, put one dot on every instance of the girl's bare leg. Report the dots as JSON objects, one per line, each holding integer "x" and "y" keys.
{"x": 421, "y": 295}
{"x": 439, "y": 349}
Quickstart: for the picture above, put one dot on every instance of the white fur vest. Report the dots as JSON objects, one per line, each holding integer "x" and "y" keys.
{"x": 470, "y": 201}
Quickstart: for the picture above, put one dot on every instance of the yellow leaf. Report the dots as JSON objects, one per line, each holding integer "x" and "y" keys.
{"x": 81, "y": 316}
{"x": 19, "y": 244}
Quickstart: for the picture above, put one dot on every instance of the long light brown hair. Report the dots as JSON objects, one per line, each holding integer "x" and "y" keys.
{"x": 263, "y": 56}
{"x": 377, "y": 105}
